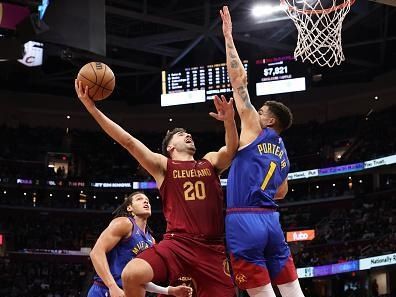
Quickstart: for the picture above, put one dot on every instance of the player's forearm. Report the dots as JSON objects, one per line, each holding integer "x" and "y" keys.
{"x": 235, "y": 68}
{"x": 102, "y": 268}
{"x": 238, "y": 77}
{"x": 231, "y": 136}
{"x": 111, "y": 128}
{"x": 153, "y": 288}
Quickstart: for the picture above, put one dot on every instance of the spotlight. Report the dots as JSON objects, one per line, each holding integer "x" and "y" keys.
{"x": 265, "y": 10}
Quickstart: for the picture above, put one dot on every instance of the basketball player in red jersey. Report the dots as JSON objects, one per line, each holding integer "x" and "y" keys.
{"x": 193, "y": 206}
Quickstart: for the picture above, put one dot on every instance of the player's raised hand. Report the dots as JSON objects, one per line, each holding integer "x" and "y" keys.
{"x": 227, "y": 23}
{"x": 180, "y": 291}
{"x": 225, "y": 110}
{"x": 82, "y": 94}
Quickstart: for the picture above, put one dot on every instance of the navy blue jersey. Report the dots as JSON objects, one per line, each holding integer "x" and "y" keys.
{"x": 126, "y": 250}
{"x": 257, "y": 171}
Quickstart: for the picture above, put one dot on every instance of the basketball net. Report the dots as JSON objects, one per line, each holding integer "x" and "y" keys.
{"x": 319, "y": 29}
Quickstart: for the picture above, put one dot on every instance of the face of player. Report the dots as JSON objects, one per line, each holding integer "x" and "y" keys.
{"x": 140, "y": 206}
{"x": 182, "y": 142}
{"x": 267, "y": 119}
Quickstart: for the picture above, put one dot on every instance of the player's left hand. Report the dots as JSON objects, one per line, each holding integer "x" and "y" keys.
{"x": 180, "y": 291}
{"x": 225, "y": 110}
{"x": 227, "y": 23}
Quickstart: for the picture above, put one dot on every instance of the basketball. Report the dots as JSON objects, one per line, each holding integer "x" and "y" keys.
{"x": 99, "y": 78}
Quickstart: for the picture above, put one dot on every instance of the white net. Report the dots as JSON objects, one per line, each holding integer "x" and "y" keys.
{"x": 319, "y": 25}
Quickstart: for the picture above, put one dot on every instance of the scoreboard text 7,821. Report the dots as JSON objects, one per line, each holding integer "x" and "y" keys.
{"x": 279, "y": 75}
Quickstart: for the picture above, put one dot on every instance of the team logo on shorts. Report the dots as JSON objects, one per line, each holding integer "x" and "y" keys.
{"x": 240, "y": 278}
{"x": 226, "y": 267}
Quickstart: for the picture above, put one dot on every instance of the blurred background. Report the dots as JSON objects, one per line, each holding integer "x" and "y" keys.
{"x": 61, "y": 176}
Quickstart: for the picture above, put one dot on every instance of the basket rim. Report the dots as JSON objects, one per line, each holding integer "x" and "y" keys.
{"x": 317, "y": 11}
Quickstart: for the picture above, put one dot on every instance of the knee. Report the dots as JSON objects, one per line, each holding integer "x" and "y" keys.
{"x": 137, "y": 271}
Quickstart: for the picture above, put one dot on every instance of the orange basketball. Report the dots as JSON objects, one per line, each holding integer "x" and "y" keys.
{"x": 99, "y": 78}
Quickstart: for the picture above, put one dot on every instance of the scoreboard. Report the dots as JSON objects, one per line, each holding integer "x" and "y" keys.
{"x": 195, "y": 84}
{"x": 280, "y": 75}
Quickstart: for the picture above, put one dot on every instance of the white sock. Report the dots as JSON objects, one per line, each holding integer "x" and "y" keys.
{"x": 291, "y": 289}
{"x": 263, "y": 291}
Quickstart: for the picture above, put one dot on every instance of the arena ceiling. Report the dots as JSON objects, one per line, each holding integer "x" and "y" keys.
{"x": 145, "y": 37}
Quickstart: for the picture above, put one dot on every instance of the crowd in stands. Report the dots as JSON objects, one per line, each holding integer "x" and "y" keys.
{"x": 41, "y": 278}
{"x": 360, "y": 228}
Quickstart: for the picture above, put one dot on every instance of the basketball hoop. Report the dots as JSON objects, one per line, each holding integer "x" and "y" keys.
{"x": 319, "y": 25}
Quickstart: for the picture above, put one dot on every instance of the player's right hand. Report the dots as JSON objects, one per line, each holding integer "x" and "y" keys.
{"x": 227, "y": 23}
{"x": 83, "y": 94}
{"x": 116, "y": 291}
{"x": 180, "y": 291}
{"x": 225, "y": 110}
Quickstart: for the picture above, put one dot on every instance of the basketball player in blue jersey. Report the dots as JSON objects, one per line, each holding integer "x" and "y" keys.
{"x": 258, "y": 176}
{"x": 124, "y": 238}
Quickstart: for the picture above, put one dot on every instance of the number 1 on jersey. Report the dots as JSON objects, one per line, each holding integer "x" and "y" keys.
{"x": 270, "y": 172}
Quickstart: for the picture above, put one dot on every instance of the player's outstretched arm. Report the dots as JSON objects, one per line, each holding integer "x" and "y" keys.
{"x": 154, "y": 163}
{"x": 118, "y": 229}
{"x": 221, "y": 160}
{"x": 238, "y": 77}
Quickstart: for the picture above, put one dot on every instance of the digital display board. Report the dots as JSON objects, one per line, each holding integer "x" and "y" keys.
{"x": 33, "y": 54}
{"x": 280, "y": 75}
{"x": 195, "y": 84}
{"x": 300, "y": 235}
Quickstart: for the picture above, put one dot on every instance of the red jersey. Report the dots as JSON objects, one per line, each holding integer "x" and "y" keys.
{"x": 193, "y": 199}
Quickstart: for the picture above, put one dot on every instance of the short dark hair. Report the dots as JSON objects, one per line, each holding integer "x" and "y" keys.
{"x": 122, "y": 210}
{"x": 281, "y": 112}
{"x": 168, "y": 138}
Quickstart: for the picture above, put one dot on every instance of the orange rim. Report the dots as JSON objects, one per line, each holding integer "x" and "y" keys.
{"x": 318, "y": 11}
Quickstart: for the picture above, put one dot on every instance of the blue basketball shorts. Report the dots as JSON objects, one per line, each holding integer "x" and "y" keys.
{"x": 257, "y": 248}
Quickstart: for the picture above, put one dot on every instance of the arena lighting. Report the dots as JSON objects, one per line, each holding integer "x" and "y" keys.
{"x": 68, "y": 117}
{"x": 68, "y": 195}
{"x": 261, "y": 10}
{"x": 94, "y": 197}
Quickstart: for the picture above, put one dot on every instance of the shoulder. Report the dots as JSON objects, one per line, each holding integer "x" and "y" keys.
{"x": 121, "y": 225}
